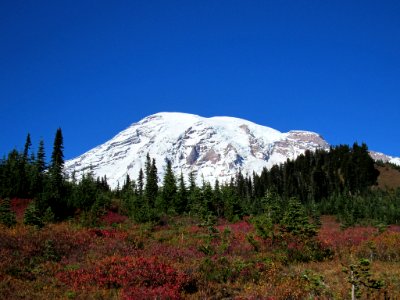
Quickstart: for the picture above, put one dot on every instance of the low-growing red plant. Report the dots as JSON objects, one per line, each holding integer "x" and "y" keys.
{"x": 333, "y": 237}
{"x": 395, "y": 228}
{"x": 172, "y": 252}
{"x": 111, "y": 218}
{"x": 167, "y": 291}
{"x": 384, "y": 247}
{"x": 242, "y": 226}
{"x": 131, "y": 274}
{"x": 19, "y": 206}
{"x": 109, "y": 233}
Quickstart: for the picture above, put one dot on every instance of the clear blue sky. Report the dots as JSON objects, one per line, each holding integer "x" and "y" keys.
{"x": 94, "y": 67}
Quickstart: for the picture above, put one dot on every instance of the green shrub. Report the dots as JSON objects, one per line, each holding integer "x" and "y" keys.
{"x": 7, "y": 216}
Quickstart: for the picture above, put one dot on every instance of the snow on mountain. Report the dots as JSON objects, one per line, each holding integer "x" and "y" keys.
{"x": 216, "y": 147}
{"x": 378, "y": 156}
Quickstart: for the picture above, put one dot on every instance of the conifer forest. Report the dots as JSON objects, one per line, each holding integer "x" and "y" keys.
{"x": 316, "y": 227}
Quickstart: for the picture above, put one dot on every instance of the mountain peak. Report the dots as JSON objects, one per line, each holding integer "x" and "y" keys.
{"x": 214, "y": 148}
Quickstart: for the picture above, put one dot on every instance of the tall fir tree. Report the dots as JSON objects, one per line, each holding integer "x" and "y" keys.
{"x": 27, "y": 147}
{"x": 41, "y": 158}
{"x": 169, "y": 190}
{"x": 54, "y": 195}
{"x": 207, "y": 207}
{"x": 39, "y": 166}
{"x": 151, "y": 188}
{"x": 192, "y": 189}
{"x": 182, "y": 196}
{"x": 127, "y": 187}
{"x": 147, "y": 166}
{"x": 57, "y": 158}
{"x": 140, "y": 183}
{"x": 217, "y": 203}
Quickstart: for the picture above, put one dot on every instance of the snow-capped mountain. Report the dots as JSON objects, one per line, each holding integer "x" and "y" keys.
{"x": 216, "y": 147}
{"x": 378, "y": 156}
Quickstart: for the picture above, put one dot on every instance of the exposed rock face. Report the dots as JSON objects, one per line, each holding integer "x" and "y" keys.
{"x": 214, "y": 148}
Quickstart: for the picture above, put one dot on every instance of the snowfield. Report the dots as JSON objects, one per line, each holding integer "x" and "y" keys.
{"x": 213, "y": 148}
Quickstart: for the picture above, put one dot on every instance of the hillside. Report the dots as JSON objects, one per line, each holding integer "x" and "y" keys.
{"x": 389, "y": 177}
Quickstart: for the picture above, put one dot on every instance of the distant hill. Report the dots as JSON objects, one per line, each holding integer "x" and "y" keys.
{"x": 389, "y": 177}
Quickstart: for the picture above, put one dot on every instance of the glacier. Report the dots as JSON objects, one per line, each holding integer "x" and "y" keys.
{"x": 213, "y": 148}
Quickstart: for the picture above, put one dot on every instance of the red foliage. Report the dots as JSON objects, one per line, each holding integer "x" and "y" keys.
{"x": 237, "y": 237}
{"x": 194, "y": 229}
{"x": 109, "y": 233}
{"x": 172, "y": 252}
{"x": 238, "y": 227}
{"x": 18, "y": 206}
{"x": 252, "y": 271}
{"x": 136, "y": 276}
{"x": 384, "y": 247}
{"x": 395, "y": 228}
{"x": 113, "y": 218}
{"x": 149, "y": 293}
{"x": 333, "y": 237}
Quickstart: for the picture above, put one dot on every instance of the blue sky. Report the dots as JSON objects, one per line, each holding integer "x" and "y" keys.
{"x": 94, "y": 67}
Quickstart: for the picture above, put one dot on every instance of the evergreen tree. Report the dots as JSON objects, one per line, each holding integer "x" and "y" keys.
{"x": 26, "y": 171}
{"x": 27, "y": 147}
{"x": 54, "y": 195}
{"x": 258, "y": 186}
{"x": 129, "y": 197}
{"x": 273, "y": 206}
{"x": 38, "y": 168}
{"x": 295, "y": 220}
{"x": 32, "y": 215}
{"x": 264, "y": 226}
{"x": 196, "y": 201}
{"x": 127, "y": 187}
{"x": 207, "y": 208}
{"x": 100, "y": 206}
{"x": 360, "y": 278}
{"x": 169, "y": 190}
{"x": 366, "y": 172}
{"x": 41, "y": 158}
{"x": 137, "y": 206}
{"x": 192, "y": 189}
{"x": 101, "y": 183}
{"x": 117, "y": 191}
{"x": 151, "y": 188}
{"x": 7, "y": 216}
{"x": 232, "y": 210}
{"x": 84, "y": 194}
{"x": 319, "y": 185}
{"x": 57, "y": 159}
{"x": 13, "y": 176}
{"x": 147, "y": 165}
{"x": 48, "y": 216}
{"x": 218, "y": 203}
{"x": 140, "y": 183}
{"x": 192, "y": 181}
{"x": 181, "y": 197}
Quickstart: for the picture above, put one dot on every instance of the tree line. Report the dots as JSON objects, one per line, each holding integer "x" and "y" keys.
{"x": 339, "y": 181}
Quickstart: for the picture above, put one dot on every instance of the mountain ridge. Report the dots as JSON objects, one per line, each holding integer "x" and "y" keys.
{"x": 213, "y": 148}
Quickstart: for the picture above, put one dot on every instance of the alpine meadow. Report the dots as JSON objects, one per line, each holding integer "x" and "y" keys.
{"x": 323, "y": 225}
{"x": 199, "y": 150}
